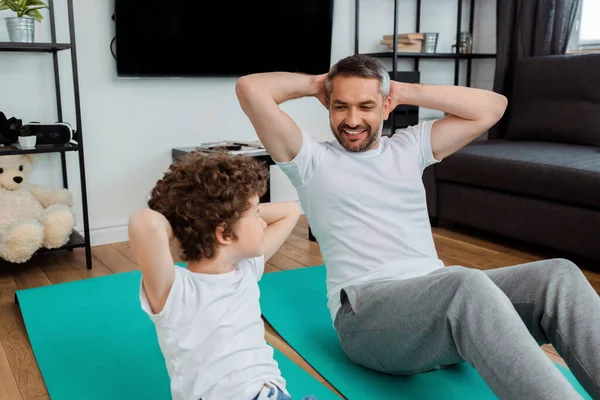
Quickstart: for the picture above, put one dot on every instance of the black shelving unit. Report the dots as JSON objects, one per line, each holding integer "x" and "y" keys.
{"x": 76, "y": 144}
{"x": 395, "y": 55}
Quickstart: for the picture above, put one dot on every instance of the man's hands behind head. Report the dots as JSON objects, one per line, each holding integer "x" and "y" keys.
{"x": 320, "y": 81}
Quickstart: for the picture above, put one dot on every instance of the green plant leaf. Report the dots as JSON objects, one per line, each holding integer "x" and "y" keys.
{"x": 3, "y": 5}
{"x": 25, "y": 131}
{"x": 12, "y": 5}
{"x": 33, "y": 8}
{"x": 35, "y": 14}
{"x": 33, "y": 3}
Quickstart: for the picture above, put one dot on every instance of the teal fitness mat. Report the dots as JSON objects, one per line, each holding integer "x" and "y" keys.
{"x": 295, "y": 304}
{"x": 91, "y": 340}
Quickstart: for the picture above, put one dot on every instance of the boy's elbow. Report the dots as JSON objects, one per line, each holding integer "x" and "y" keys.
{"x": 296, "y": 211}
{"x": 141, "y": 221}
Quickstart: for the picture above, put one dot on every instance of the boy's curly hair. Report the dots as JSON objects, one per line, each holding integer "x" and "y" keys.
{"x": 200, "y": 192}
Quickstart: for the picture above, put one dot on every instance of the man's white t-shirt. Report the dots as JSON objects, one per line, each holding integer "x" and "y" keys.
{"x": 212, "y": 336}
{"x": 367, "y": 210}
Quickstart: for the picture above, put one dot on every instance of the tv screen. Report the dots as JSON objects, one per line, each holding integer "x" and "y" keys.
{"x": 222, "y": 38}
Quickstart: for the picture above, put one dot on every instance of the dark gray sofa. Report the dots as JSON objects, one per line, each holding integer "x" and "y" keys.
{"x": 537, "y": 180}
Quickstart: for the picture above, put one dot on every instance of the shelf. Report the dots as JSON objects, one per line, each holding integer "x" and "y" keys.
{"x": 34, "y": 47}
{"x": 44, "y": 148}
{"x": 74, "y": 242}
{"x": 390, "y": 54}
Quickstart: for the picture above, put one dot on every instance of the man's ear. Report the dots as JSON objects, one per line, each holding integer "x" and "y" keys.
{"x": 222, "y": 237}
{"x": 387, "y": 107}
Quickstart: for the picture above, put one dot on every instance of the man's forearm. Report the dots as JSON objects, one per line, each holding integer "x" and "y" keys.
{"x": 273, "y": 212}
{"x": 281, "y": 86}
{"x": 463, "y": 102}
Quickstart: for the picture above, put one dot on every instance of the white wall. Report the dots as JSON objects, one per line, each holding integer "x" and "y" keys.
{"x": 120, "y": 116}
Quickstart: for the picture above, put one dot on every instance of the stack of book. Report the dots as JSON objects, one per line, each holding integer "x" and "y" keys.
{"x": 231, "y": 147}
{"x": 407, "y": 42}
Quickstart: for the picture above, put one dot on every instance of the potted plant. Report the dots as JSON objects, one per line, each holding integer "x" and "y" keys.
{"x": 26, "y": 138}
{"x": 21, "y": 28}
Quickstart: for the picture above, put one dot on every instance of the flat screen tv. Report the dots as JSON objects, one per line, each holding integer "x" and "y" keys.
{"x": 222, "y": 37}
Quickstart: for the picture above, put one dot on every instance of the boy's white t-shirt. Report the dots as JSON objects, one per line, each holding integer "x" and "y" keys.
{"x": 212, "y": 336}
{"x": 368, "y": 210}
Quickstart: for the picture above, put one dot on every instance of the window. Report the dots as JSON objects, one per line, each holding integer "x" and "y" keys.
{"x": 586, "y": 31}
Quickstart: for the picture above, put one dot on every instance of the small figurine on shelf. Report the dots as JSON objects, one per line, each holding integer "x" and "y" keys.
{"x": 31, "y": 216}
{"x": 26, "y": 138}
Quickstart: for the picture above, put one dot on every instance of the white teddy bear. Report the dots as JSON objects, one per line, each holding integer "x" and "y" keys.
{"x": 31, "y": 217}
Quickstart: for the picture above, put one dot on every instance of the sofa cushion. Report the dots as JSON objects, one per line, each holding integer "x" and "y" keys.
{"x": 561, "y": 172}
{"x": 556, "y": 99}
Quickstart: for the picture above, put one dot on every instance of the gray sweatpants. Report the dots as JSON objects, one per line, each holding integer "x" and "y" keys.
{"x": 495, "y": 320}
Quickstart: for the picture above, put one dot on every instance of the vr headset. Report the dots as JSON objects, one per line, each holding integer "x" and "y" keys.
{"x": 57, "y": 133}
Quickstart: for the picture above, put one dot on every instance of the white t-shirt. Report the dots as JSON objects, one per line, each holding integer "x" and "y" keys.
{"x": 367, "y": 210}
{"x": 212, "y": 336}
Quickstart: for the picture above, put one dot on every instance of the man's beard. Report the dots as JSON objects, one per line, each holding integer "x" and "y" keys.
{"x": 367, "y": 144}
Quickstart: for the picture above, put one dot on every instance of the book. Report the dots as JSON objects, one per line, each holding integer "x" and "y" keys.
{"x": 247, "y": 150}
{"x": 254, "y": 143}
{"x": 400, "y": 41}
{"x": 409, "y": 36}
{"x": 230, "y": 145}
{"x": 406, "y": 48}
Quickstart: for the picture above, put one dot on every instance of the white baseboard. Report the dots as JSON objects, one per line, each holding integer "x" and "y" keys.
{"x": 107, "y": 235}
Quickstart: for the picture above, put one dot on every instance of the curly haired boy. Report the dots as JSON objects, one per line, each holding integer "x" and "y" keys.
{"x": 207, "y": 315}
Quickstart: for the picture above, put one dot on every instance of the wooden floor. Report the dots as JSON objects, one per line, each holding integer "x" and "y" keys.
{"x": 20, "y": 377}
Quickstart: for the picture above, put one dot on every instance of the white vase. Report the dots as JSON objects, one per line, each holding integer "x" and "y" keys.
{"x": 27, "y": 142}
{"x": 20, "y": 29}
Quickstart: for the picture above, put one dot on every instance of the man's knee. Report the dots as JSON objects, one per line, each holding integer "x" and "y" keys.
{"x": 469, "y": 279}
{"x": 473, "y": 286}
{"x": 562, "y": 265}
{"x": 562, "y": 270}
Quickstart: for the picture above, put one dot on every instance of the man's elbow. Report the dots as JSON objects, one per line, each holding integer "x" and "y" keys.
{"x": 500, "y": 104}
{"x": 494, "y": 111}
{"x": 244, "y": 87}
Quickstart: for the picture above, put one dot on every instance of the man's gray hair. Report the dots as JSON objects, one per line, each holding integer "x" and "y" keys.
{"x": 360, "y": 66}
